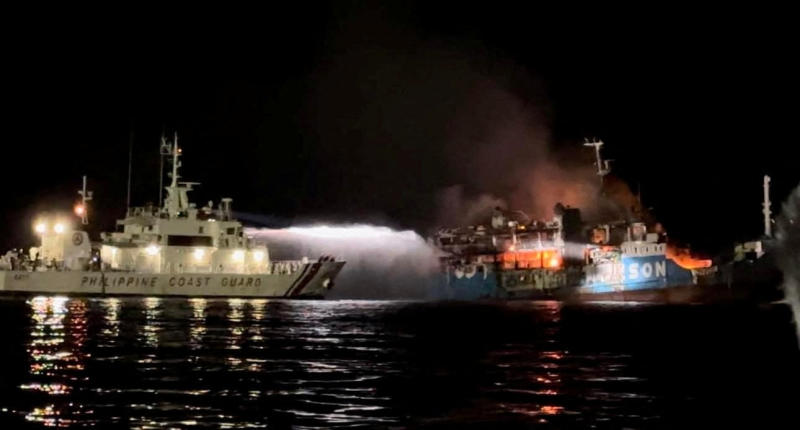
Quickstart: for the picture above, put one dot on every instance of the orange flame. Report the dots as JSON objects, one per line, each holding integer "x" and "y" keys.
{"x": 531, "y": 259}
{"x": 682, "y": 257}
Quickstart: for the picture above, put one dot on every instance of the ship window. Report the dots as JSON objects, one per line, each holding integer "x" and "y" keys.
{"x": 200, "y": 229}
{"x": 231, "y": 230}
{"x": 176, "y": 240}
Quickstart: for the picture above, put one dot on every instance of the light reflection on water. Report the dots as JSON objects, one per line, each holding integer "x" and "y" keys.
{"x": 152, "y": 327}
{"x": 57, "y": 338}
{"x": 165, "y": 363}
{"x": 197, "y": 323}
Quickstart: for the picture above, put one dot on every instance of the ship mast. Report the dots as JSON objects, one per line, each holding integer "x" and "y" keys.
{"x": 175, "y": 165}
{"x": 177, "y": 201}
{"x": 172, "y": 204}
{"x": 82, "y": 210}
{"x": 603, "y": 167}
{"x": 766, "y": 210}
{"x": 164, "y": 151}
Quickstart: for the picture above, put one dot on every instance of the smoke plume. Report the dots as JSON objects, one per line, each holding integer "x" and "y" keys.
{"x": 448, "y": 128}
{"x": 501, "y": 148}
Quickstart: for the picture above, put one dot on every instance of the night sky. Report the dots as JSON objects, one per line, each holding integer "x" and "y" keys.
{"x": 360, "y": 112}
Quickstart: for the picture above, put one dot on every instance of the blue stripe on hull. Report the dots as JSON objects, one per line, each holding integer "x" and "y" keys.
{"x": 472, "y": 288}
{"x": 643, "y": 273}
{"x": 629, "y": 274}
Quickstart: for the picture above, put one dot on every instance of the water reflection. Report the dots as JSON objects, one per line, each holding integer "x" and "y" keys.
{"x": 236, "y": 323}
{"x": 318, "y": 362}
{"x": 177, "y": 363}
{"x": 111, "y": 318}
{"x": 255, "y": 331}
{"x": 56, "y": 356}
{"x": 152, "y": 327}
{"x": 534, "y": 373}
{"x": 197, "y": 323}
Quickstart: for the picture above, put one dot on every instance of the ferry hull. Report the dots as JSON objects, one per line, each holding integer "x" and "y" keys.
{"x": 641, "y": 279}
{"x": 312, "y": 280}
{"x": 494, "y": 283}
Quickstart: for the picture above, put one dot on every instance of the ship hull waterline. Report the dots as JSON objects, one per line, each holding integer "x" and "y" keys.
{"x": 312, "y": 280}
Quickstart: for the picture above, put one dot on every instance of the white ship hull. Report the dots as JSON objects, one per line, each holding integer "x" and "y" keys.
{"x": 313, "y": 280}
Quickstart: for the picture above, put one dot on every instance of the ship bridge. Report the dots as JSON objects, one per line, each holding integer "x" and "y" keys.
{"x": 178, "y": 237}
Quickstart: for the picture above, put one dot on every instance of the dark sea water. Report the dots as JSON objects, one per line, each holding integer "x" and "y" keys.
{"x": 175, "y": 363}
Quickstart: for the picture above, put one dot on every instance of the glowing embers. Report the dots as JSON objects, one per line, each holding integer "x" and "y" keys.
{"x": 531, "y": 259}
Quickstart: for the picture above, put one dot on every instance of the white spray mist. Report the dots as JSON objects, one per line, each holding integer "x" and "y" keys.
{"x": 381, "y": 263}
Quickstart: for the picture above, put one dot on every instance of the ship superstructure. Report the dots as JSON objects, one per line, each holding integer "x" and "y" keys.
{"x": 511, "y": 256}
{"x": 182, "y": 238}
{"x": 174, "y": 249}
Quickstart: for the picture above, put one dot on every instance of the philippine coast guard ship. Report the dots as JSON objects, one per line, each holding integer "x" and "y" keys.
{"x": 173, "y": 250}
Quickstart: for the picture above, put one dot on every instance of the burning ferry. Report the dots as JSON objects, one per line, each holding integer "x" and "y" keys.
{"x": 177, "y": 249}
{"x": 514, "y": 257}
{"x": 511, "y": 256}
